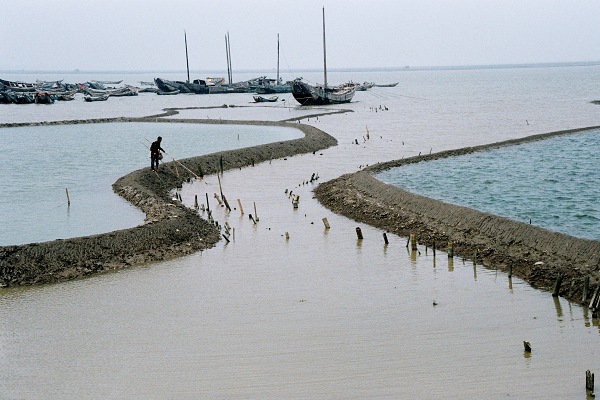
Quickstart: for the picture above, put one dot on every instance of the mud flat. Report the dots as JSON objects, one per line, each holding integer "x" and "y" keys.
{"x": 535, "y": 254}
{"x": 170, "y": 229}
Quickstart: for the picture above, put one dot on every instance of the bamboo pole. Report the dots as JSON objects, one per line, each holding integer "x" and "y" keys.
{"x": 241, "y": 208}
{"x": 255, "y": 213}
{"x": 68, "y": 198}
{"x": 557, "y": 284}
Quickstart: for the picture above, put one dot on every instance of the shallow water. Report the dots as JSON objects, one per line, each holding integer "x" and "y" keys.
{"x": 554, "y": 183}
{"x": 41, "y": 164}
{"x": 321, "y": 315}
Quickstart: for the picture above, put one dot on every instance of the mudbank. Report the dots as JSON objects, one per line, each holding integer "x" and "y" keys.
{"x": 534, "y": 254}
{"x": 170, "y": 228}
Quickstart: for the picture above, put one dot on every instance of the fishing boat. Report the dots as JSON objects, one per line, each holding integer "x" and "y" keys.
{"x": 43, "y": 98}
{"x": 17, "y": 86}
{"x": 314, "y": 95}
{"x": 197, "y": 86}
{"x": 268, "y": 86}
{"x": 261, "y": 99}
{"x": 386, "y": 84}
{"x": 100, "y": 97}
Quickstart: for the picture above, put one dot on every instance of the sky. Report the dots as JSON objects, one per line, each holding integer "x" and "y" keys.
{"x": 148, "y": 35}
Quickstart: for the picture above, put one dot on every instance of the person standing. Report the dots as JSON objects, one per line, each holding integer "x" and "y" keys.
{"x": 155, "y": 155}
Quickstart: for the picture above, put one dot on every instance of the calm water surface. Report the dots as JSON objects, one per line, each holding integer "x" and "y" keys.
{"x": 553, "y": 183}
{"x": 40, "y": 163}
{"x": 319, "y": 315}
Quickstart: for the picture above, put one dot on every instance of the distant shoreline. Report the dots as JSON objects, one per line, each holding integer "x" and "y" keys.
{"x": 316, "y": 69}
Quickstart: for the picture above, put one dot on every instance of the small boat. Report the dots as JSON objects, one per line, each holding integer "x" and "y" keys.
{"x": 43, "y": 98}
{"x": 261, "y": 99}
{"x": 17, "y": 86}
{"x": 313, "y": 95}
{"x": 23, "y": 98}
{"x": 163, "y": 93}
{"x": 100, "y": 97}
{"x": 386, "y": 84}
{"x": 108, "y": 82}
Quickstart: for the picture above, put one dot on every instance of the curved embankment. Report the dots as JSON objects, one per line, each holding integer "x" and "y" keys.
{"x": 536, "y": 255}
{"x": 170, "y": 229}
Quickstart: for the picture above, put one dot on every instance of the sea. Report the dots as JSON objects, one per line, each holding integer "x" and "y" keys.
{"x": 289, "y": 308}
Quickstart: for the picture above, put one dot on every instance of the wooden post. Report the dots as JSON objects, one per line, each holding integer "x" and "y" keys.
{"x": 218, "y": 199}
{"x": 475, "y": 258}
{"x": 450, "y": 250}
{"x": 557, "y": 285}
{"x": 326, "y": 223}
{"x": 385, "y": 239}
{"x": 220, "y": 188}
{"x": 594, "y": 298}
{"x": 241, "y": 208}
{"x": 255, "y": 213}
{"x": 287, "y": 236}
{"x": 413, "y": 242}
{"x": 434, "y": 248}
{"x": 226, "y": 203}
{"x": 68, "y": 199}
{"x": 527, "y": 346}
{"x": 586, "y": 287}
{"x": 252, "y": 218}
{"x": 196, "y": 201}
{"x": 359, "y": 234}
{"x": 207, "y": 204}
{"x": 510, "y": 270}
{"x": 589, "y": 381}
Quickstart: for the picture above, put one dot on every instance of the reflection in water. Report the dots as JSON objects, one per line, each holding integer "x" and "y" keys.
{"x": 510, "y": 283}
{"x": 450, "y": 264}
{"x": 558, "y": 307}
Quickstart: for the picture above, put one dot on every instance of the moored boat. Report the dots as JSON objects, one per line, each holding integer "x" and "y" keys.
{"x": 261, "y": 99}
{"x": 385, "y": 84}
{"x": 43, "y": 98}
{"x": 315, "y": 95}
{"x": 100, "y": 97}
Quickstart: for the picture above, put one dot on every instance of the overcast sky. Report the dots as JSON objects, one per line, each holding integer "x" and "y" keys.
{"x": 149, "y": 34}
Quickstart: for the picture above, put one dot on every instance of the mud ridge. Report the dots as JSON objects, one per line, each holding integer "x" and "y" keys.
{"x": 535, "y": 254}
{"x": 170, "y": 229}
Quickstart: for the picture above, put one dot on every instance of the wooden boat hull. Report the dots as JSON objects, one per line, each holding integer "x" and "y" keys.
{"x": 103, "y": 97}
{"x": 309, "y": 95}
{"x": 260, "y": 99}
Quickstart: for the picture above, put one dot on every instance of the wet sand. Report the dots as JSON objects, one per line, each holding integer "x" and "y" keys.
{"x": 536, "y": 255}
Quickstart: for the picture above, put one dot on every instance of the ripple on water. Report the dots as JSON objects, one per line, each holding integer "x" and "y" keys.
{"x": 555, "y": 183}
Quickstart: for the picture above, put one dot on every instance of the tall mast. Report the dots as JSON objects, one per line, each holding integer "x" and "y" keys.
{"x": 278, "y": 59}
{"x": 324, "y": 58}
{"x": 227, "y": 55}
{"x": 229, "y": 59}
{"x": 186, "y": 57}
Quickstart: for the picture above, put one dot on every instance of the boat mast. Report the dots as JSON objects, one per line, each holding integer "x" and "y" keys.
{"x": 186, "y": 57}
{"x": 277, "y": 59}
{"x": 324, "y": 58}
{"x": 228, "y": 51}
